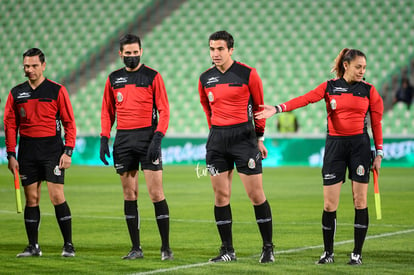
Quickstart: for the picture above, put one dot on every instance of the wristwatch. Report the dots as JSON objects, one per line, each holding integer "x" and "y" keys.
{"x": 68, "y": 151}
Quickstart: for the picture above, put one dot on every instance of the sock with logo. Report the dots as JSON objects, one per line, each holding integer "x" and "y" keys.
{"x": 162, "y": 215}
{"x": 224, "y": 225}
{"x": 328, "y": 230}
{"x": 264, "y": 221}
{"x": 132, "y": 220}
{"x": 360, "y": 229}
{"x": 64, "y": 219}
{"x": 32, "y": 222}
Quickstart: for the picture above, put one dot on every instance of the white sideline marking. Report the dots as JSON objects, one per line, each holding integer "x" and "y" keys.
{"x": 277, "y": 252}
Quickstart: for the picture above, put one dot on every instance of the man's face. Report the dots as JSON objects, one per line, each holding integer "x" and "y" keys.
{"x": 33, "y": 68}
{"x": 130, "y": 50}
{"x": 219, "y": 53}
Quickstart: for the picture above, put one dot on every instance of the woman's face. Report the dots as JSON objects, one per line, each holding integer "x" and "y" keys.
{"x": 355, "y": 69}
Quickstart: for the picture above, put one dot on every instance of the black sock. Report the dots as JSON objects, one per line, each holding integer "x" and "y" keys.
{"x": 360, "y": 229}
{"x": 328, "y": 230}
{"x": 264, "y": 221}
{"x": 32, "y": 221}
{"x": 224, "y": 222}
{"x": 64, "y": 219}
{"x": 132, "y": 220}
{"x": 162, "y": 215}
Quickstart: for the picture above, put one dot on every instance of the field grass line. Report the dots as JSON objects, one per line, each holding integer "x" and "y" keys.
{"x": 383, "y": 235}
{"x": 345, "y": 242}
{"x": 275, "y": 222}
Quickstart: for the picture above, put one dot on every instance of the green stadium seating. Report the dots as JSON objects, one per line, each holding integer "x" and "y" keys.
{"x": 66, "y": 30}
{"x": 291, "y": 43}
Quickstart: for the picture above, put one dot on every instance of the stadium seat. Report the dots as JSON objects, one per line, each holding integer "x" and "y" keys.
{"x": 291, "y": 43}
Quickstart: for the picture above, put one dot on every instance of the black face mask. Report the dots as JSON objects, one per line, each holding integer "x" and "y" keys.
{"x": 131, "y": 61}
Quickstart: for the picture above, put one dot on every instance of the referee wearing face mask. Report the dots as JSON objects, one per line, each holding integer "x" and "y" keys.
{"x": 135, "y": 96}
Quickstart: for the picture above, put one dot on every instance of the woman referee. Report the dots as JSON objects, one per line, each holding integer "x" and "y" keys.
{"x": 348, "y": 100}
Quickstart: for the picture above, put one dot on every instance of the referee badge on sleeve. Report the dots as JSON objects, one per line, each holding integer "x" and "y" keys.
{"x": 333, "y": 104}
{"x": 22, "y": 112}
{"x": 119, "y": 97}
{"x": 210, "y": 96}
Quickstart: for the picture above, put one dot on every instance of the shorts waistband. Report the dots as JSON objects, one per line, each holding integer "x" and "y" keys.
{"x": 347, "y": 137}
{"x": 135, "y": 130}
{"x": 240, "y": 125}
{"x": 46, "y": 139}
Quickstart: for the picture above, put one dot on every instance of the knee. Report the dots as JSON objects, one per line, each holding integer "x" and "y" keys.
{"x": 157, "y": 195}
{"x": 130, "y": 195}
{"x": 329, "y": 208}
{"x": 360, "y": 202}
{"x": 32, "y": 201}
{"x": 330, "y": 205}
{"x": 257, "y": 198}
{"x": 57, "y": 199}
{"x": 222, "y": 198}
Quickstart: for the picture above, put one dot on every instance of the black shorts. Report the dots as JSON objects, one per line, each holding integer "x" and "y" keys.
{"x": 227, "y": 145}
{"x": 39, "y": 160}
{"x": 130, "y": 149}
{"x": 353, "y": 152}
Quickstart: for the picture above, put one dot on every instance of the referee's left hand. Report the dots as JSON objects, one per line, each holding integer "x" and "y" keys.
{"x": 154, "y": 149}
{"x": 262, "y": 148}
{"x": 65, "y": 161}
{"x": 376, "y": 164}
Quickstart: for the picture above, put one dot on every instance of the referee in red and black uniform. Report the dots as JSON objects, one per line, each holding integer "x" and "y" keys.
{"x": 349, "y": 100}
{"x": 36, "y": 110}
{"x": 230, "y": 92}
{"x": 135, "y": 95}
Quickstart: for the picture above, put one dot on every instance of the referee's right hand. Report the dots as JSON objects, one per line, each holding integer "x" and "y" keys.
{"x": 104, "y": 150}
{"x": 13, "y": 164}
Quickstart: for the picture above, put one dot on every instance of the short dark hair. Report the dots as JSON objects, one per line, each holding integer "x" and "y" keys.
{"x": 129, "y": 39}
{"x": 223, "y": 35}
{"x": 35, "y": 52}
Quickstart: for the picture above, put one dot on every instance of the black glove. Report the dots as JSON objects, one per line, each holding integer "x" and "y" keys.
{"x": 154, "y": 149}
{"x": 104, "y": 150}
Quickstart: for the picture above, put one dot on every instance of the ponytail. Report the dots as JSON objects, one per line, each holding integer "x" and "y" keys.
{"x": 346, "y": 55}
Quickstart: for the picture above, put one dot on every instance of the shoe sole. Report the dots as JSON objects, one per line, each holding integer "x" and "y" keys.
{"x": 68, "y": 255}
{"x": 31, "y": 255}
{"x": 266, "y": 262}
{"x": 132, "y": 258}
{"x": 221, "y": 260}
{"x": 26, "y": 256}
{"x": 167, "y": 258}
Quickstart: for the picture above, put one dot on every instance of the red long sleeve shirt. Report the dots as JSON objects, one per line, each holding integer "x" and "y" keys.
{"x": 134, "y": 98}
{"x": 38, "y": 113}
{"x": 232, "y": 97}
{"x": 347, "y": 106}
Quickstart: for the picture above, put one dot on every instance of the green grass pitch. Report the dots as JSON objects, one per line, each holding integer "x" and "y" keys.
{"x": 295, "y": 195}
